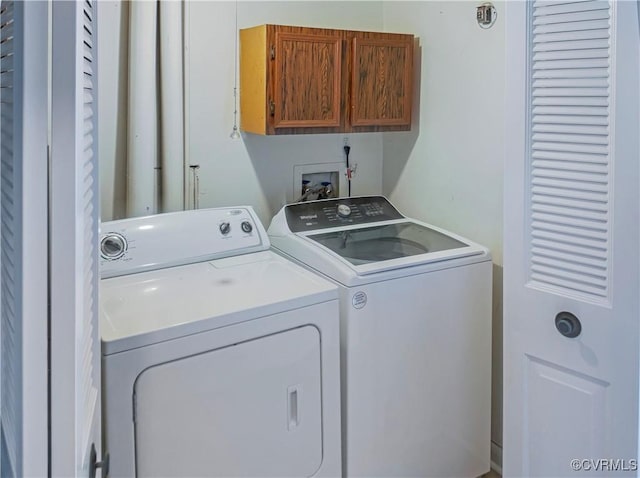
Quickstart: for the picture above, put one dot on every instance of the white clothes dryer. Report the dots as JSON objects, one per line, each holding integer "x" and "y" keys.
{"x": 220, "y": 358}
{"x": 415, "y": 311}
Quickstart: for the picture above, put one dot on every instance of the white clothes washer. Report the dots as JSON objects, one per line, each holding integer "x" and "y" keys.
{"x": 220, "y": 357}
{"x": 415, "y": 310}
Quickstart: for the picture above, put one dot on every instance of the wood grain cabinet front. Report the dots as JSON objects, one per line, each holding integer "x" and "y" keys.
{"x": 381, "y": 81}
{"x": 310, "y": 80}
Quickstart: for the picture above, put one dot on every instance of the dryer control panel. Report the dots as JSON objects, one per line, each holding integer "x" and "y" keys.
{"x": 146, "y": 243}
{"x": 312, "y": 215}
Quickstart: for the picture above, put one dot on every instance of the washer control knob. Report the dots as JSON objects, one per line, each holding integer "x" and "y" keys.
{"x": 246, "y": 227}
{"x": 113, "y": 246}
{"x": 225, "y": 228}
{"x": 343, "y": 210}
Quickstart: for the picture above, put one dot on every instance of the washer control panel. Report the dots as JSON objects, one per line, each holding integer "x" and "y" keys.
{"x": 308, "y": 216}
{"x": 164, "y": 240}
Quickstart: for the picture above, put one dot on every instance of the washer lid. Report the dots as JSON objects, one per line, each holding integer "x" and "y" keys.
{"x": 386, "y": 242}
{"x": 150, "y": 307}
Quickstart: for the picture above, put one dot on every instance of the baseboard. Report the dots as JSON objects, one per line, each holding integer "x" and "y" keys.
{"x": 496, "y": 458}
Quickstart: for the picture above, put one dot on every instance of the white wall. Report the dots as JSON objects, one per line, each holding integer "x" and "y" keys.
{"x": 258, "y": 170}
{"x": 255, "y": 170}
{"x": 448, "y": 170}
{"x": 113, "y": 24}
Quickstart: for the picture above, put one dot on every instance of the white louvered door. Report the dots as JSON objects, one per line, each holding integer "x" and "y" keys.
{"x": 572, "y": 241}
{"x": 75, "y": 346}
{"x": 23, "y": 202}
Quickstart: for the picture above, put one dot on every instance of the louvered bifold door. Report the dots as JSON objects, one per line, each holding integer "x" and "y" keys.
{"x": 569, "y": 171}
{"x": 23, "y": 213}
{"x": 571, "y": 239}
{"x": 75, "y": 351}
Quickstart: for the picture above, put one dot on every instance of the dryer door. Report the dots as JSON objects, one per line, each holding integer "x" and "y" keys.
{"x": 249, "y": 409}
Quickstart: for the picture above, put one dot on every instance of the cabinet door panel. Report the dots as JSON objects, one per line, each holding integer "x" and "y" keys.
{"x": 381, "y": 82}
{"x": 307, "y": 80}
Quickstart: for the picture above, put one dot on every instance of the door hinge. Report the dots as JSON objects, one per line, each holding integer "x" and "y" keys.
{"x": 272, "y": 108}
{"x": 272, "y": 52}
{"x": 94, "y": 464}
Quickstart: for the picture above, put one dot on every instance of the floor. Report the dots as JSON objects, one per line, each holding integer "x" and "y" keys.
{"x": 491, "y": 474}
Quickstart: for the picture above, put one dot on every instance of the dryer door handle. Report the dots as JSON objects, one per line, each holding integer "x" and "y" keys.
{"x": 293, "y": 406}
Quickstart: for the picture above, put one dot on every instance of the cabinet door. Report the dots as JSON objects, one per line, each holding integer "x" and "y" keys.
{"x": 306, "y": 80}
{"x": 381, "y": 81}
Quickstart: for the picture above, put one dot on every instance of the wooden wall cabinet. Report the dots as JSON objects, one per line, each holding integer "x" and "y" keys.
{"x": 311, "y": 80}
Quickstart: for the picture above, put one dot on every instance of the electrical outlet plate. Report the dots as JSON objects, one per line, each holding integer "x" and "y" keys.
{"x": 330, "y": 169}
{"x": 486, "y": 15}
